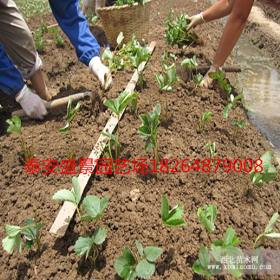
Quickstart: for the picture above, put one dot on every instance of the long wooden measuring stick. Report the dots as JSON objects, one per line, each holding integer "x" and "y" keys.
{"x": 67, "y": 210}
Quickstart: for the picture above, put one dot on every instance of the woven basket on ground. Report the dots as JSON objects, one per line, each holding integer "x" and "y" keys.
{"x": 129, "y": 19}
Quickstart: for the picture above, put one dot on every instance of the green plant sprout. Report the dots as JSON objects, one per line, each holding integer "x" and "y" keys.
{"x": 268, "y": 231}
{"x": 238, "y": 126}
{"x": 117, "y": 107}
{"x": 141, "y": 55}
{"x": 109, "y": 147}
{"x": 177, "y": 33}
{"x": 231, "y": 104}
{"x": 171, "y": 218}
{"x": 15, "y": 127}
{"x": 189, "y": 63}
{"x": 149, "y": 129}
{"x": 129, "y": 2}
{"x": 129, "y": 267}
{"x": 219, "y": 249}
{"x": 95, "y": 208}
{"x": 202, "y": 121}
{"x": 30, "y": 231}
{"x": 60, "y": 42}
{"x": 223, "y": 82}
{"x": 39, "y": 42}
{"x": 165, "y": 83}
{"x": 266, "y": 171}
{"x": 211, "y": 149}
{"x": 207, "y": 216}
{"x": 70, "y": 115}
{"x": 164, "y": 58}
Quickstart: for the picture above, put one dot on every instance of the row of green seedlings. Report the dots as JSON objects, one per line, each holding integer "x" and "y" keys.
{"x": 40, "y": 42}
{"x": 128, "y": 265}
{"x": 209, "y": 262}
{"x": 27, "y": 150}
{"x": 149, "y": 131}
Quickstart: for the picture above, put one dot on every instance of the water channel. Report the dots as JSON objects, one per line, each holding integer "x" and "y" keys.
{"x": 260, "y": 84}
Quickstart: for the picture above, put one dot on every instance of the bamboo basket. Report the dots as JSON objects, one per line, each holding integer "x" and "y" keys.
{"x": 129, "y": 19}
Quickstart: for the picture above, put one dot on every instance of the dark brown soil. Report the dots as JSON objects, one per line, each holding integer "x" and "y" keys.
{"x": 128, "y": 219}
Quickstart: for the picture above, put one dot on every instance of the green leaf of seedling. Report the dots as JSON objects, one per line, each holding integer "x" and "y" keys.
{"x": 207, "y": 211}
{"x": 269, "y": 171}
{"x": 9, "y": 243}
{"x": 152, "y": 253}
{"x": 171, "y": 218}
{"x": 73, "y": 113}
{"x": 31, "y": 230}
{"x": 94, "y": 206}
{"x": 64, "y": 195}
{"x": 144, "y": 132}
{"x": 65, "y": 128}
{"x": 145, "y": 269}
{"x": 12, "y": 231}
{"x": 201, "y": 266}
{"x": 77, "y": 190}
{"x": 271, "y": 223}
{"x": 120, "y": 38}
{"x": 83, "y": 246}
{"x": 273, "y": 235}
{"x": 128, "y": 256}
{"x": 107, "y": 55}
{"x": 160, "y": 80}
{"x": 187, "y": 62}
{"x": 99, "y": 235}
{"x": 226, "y": 110}
{"x": 139, "y": 248}
{"x": 124, "y": 269}
{"x": 198, "y": 78}
{"x": 231, "y": 237}
{"x": 14, "y": 125}
{"x": 157, "y": 109}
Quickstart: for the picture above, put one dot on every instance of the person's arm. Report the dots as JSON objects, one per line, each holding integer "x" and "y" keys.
{"x": 219, "y": 10}
{"x": 233, "y": 30}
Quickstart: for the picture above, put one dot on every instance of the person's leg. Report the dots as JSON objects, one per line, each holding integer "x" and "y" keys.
{"x": 20, "y": 47}
{"x": 11, "y": 81}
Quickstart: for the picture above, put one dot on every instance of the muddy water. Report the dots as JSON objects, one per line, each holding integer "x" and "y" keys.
{"x": 260, "y": 82}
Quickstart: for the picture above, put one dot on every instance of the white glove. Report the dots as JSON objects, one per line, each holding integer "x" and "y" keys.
{"x": 99, "y": 70}
{"x": 195, "y": 20}
{"x": 32, "y": 104}
{"x": 207, "y": 82}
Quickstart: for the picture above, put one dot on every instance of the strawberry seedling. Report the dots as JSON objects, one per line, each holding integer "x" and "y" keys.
{"x": 117, "y": 107}
{"x": 15, "y": 127}
{"x": 202, "y": 121}
{"x": 148, "y": 130}
{"x": 128, "y": 266}
{"x": 30, "y": 231}
{"x": 70, "y": 115}
{"x": 95, "y": 208}
{"x": 207, "y": 216}
{"x": 177, "y": 33}
{"x": 165, "y": 83}
{"x": 171, "y": 218}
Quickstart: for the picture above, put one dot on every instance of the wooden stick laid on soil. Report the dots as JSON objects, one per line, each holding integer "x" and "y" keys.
{"x": 67, "y": 211}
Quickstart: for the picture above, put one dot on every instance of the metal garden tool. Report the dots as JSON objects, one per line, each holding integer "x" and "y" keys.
{"x": 58, "y": 102}
{"x": 186, "y": 74}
